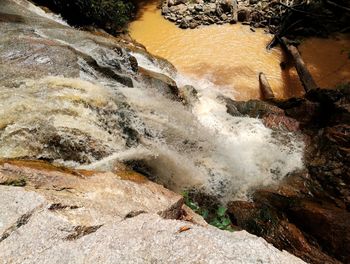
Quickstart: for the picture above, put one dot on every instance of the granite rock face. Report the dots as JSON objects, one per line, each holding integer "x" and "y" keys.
{"x": 87, "y": 217}
{"x": 84, "y": 197}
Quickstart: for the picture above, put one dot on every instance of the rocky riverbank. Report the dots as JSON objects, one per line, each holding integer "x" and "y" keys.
{"x": 64, "y": 97}
{"x": 191, "y": 14}
{"x": 292, "y": 18}
{"x": 84, "y": 100}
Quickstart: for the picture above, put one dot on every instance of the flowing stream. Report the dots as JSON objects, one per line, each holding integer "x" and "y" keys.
{"x": 231, "y": 56}
{"x": 56, "y": 106}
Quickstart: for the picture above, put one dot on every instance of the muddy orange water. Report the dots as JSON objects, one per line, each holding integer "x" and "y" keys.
{"x": 231, "y": 56}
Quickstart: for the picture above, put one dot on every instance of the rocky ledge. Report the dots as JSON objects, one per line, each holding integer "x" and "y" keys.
{"x": 51, "y": 214}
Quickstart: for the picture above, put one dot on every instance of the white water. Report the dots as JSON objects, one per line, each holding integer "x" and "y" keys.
{"x": 95, "y": 122}
{"x": 230, "y": 154}
{"x": 38, "y": 11}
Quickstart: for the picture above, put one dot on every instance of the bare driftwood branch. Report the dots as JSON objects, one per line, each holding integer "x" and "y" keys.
{"x": 305, "y": 76}
{"x": 265, "y": 87}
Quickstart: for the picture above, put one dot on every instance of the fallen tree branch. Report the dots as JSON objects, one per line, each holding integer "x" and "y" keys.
{"x": 265, "y": 87}
{"x": 305, "y": 76}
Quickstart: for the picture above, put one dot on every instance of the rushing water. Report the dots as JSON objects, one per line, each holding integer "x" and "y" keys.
{"x": 55, "y": 106}
{"x": 231, "y": 56}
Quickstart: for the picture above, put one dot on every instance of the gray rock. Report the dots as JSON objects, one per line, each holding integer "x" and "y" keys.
{"x": 226, "y": 6}
{"x": 211, "y": 20}
{"x": 146, "y": 238}
{"x": 165, "y": 10}
{"x": 88, "y": 217}
{"x": 191, "y": 8}
{"x": 243, "y": 14}
{"x": 233, "y": 21}
{"x": 193, "y": 25}
{"x": 173, "y": 2}
{"x": 184, "y": 24}
{"x": 224, "y": 17}
{"x": 92, "y": 200}
{"x": 198, "y": 7}
{"x": 188, "y": 18}
{"x": 181, "y": 9}
{"x": 16, "y": 204}
{"x": 209, "y": 9}
{"x": 253, "y": 2}
{"x": 172, "y": 18}
{"x": 189, "y": 94}
{"x": 163, "y": 83}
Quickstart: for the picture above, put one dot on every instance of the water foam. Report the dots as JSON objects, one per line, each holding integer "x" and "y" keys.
{"x": 88, "y": 123}
{"x": 236, "y": 153}
{"x": 38, "y": 11}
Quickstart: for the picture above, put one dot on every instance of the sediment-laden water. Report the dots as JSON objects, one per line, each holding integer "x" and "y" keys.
{"x": 231, "y": 56}
{"x": 73, "y": 98}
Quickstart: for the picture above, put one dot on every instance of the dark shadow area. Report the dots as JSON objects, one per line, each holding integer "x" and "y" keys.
{"x": 142, "y": 5}
{"x": 111, "y": 16}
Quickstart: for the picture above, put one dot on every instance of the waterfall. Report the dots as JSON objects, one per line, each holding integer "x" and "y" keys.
{"x": 92, "y": 110}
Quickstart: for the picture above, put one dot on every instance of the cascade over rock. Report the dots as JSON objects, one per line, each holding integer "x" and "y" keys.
{"x": 80, "y": 100}
{"x": 104, "y": 117}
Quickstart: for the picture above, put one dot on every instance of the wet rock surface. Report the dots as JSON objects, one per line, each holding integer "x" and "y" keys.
{"x": 56, "y": 68}
{"x": 55, "y": 214}
{"x": 54, "y": 82}
{"x": 165, "y": 84}
{"x": 308, "y": 213}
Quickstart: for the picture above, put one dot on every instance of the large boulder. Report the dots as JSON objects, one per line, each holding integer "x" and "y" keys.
{"x": 329, "y": 224}
{"x": 175, "y": 2}
{"x": 51, "y": 214}
{"x": 161, "y": 82}
{"x": 226, "y": 6}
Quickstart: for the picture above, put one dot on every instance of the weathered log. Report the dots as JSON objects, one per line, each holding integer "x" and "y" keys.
{"x": 265, "y": 87}
{"x": 305, "y": 76}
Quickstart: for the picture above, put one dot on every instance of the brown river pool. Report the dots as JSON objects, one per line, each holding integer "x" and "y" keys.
{"x": 231, "y": 56}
